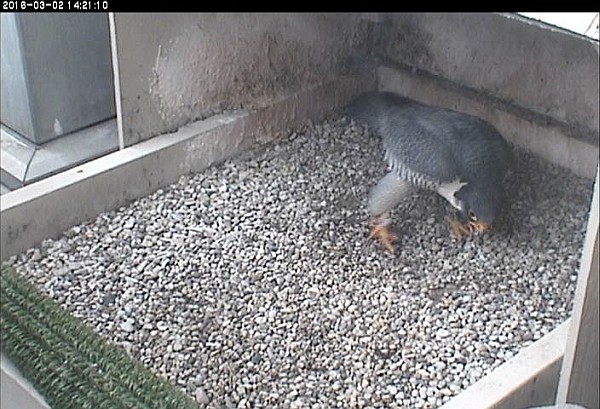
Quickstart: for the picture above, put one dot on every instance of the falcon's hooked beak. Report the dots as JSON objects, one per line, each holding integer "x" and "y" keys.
{"x": 479, "y": 226}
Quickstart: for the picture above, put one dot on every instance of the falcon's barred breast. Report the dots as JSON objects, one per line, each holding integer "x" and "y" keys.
{"x": 460, "y": 156}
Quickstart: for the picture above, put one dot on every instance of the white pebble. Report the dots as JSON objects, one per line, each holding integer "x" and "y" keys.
{"x": 201, "y": 396}
{"x": 442, "y": 333}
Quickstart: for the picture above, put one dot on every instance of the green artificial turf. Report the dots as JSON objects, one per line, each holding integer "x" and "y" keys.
{"x": 68, "y": 363}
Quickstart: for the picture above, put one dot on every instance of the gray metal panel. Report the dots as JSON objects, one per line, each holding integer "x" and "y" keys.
{"x": 13, "y": 87}
{"x": 68, "y": 73}
{"x": 25, "y": 163}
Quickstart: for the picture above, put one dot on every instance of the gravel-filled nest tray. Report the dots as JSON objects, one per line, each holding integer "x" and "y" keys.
{"x": 252, "y": 283}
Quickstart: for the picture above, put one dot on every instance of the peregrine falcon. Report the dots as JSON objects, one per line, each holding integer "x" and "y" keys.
{"x": 459, "y": 156}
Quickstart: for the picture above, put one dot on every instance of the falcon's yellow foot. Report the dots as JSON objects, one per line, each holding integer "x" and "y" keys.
{"x": 385, "y": 236}
{"x": 459, "y": 229}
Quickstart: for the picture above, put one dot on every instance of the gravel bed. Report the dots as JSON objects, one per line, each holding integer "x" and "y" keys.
{"x": 252, "y": 284}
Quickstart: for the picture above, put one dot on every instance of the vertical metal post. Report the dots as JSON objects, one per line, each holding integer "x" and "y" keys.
{"x": 117, "y": 77}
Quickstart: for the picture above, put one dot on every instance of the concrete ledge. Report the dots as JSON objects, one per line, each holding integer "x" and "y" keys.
{"x": 550, "y": 142}
{"x": 529, "y": 378}
{"x": 17, "y": 392}
{"x": 47, "y": 208}
{"x": 580, "y": 370}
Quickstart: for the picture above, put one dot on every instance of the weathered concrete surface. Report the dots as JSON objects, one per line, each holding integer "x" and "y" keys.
{"x": 550, "y": 72}
{"x": 547, "y": 141}
{"x": 17, "y": 392}
{"x": 579, "y": 373}
{"x": 177, "y": 68}
{"x": 112, "y": 181}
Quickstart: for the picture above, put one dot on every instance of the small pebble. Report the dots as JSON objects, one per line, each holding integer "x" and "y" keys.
{"x": 201, "y": 396}
{"x": 442, "y": 333}
{"x": 127, "y": 326}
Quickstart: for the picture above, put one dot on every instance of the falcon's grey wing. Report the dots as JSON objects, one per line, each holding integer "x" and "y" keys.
{"x": 413, "y": 146}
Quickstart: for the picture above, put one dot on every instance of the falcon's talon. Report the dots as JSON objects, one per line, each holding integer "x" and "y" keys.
{"x": 387, "y": 238}
{"x": 459, "y": 229}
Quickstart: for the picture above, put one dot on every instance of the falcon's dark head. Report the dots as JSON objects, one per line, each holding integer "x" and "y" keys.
{"x": 480, "y": 205}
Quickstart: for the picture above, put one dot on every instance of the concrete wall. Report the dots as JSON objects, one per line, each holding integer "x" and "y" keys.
{"x": 538, "y": 86}
{"x": 550, "y": 72}
{"x": 177, "y": 68}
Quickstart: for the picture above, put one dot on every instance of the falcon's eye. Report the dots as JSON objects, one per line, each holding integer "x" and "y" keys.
{"x": 472, "y": 216}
